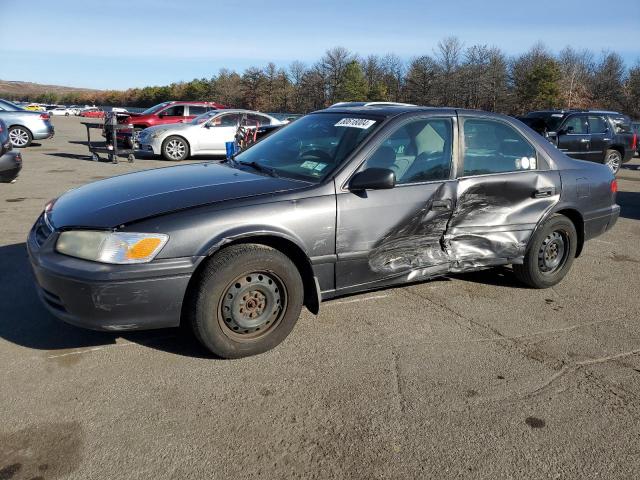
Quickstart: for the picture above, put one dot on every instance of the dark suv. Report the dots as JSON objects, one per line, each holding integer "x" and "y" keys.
{"x": 598, "y": 136}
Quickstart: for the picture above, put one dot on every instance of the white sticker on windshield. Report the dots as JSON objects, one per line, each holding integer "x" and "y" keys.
{"x": 362, "y": 123}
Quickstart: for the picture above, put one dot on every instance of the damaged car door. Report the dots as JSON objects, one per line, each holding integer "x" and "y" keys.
{"x": 385, "y": 233}
{"x": 504, "y": 189}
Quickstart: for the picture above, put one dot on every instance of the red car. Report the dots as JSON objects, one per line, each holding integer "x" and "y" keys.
{"x": 92, "y": 113}
{"x": 163, "y": 113}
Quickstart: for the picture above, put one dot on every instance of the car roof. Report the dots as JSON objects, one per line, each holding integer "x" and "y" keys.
{"x": 571, "y": 111}
{"x": 393, "y": 110}
{"x": 189, "y": 102}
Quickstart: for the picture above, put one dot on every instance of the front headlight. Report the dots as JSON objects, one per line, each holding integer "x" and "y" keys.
{"x": 111, "y": 247}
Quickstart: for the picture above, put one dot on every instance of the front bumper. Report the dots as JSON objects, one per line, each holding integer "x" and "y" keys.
{"x": 108, "y": 297}
{"x": 147, "y": 147}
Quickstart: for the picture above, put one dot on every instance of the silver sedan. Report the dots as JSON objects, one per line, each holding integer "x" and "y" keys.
{"x": 204, "y": 135}
{"x": 24, "y": 125}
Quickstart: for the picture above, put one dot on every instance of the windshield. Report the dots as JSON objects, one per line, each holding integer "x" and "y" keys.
{"x": 311, "y": 147}
{"x": 8, "y": 106}
{"x": 204, "y": 117}
{"x": 155, "y": 108}
{"x": 543, "y": 122}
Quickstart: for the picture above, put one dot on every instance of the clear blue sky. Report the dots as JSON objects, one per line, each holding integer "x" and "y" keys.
{"x": 132, "y": 43}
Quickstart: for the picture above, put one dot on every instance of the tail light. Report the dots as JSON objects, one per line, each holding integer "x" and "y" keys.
{"x": 634, "y": 144}
{"x": 44, "y": 116}
{"x": 614, "y": 186}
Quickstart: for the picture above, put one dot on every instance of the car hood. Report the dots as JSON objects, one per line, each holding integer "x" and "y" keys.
{"x": 166, "y": 127}
{"x": 127, "y": 198}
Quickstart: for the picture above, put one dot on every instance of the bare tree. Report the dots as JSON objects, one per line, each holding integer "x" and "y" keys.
{"x": 334, "y": 64}
{"x": 576, "y": 69}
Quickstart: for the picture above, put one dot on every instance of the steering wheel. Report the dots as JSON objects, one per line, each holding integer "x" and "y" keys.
{"x": 319, "y": 154}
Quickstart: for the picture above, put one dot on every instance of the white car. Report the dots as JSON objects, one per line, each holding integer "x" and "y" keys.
{"x": 58, "y": 111}
{"x": 204, "y": 135}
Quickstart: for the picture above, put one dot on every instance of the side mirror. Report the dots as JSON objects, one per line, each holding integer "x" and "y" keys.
{"x": 373, "y": 179}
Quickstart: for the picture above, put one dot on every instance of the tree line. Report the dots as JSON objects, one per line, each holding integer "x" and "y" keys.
{"x": 475, "y": 76}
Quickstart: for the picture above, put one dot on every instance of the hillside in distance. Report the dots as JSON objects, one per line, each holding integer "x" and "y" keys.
{"x": 28, "y": 90}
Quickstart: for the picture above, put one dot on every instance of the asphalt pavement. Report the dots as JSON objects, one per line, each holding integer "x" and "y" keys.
{"x": 469, "y": 376}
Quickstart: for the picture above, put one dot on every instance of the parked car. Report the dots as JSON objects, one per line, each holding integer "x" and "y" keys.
{"x": 598, "y": 136}
{"x": 5, "y": 143}
{"x": 10, "y": 161}
{"x": 92, "y": 113}
{"x": 204, "y": 135}
{"x": 60, "y": 111}
{"x": 24, "y": 125}
{"x": 340, "y": 201}
{"x": 34, "y": 107}
{"x": 162, "y": 114}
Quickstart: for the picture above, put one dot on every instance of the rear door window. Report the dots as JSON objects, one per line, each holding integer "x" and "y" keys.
{"x": 195, "y": 110}
{"x": 492, "y": 146}
{"x": 597, "y": 124}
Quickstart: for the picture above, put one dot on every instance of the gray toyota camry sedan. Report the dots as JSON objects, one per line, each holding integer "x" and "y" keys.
{"x": 343, "y": 200}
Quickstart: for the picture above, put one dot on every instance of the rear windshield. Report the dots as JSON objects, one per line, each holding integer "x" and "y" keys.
{"x": 543, "y": 122}
{"x": 9, "y": 107}
{"x": 312, "y": 146}
{"x": 622, "y": 124}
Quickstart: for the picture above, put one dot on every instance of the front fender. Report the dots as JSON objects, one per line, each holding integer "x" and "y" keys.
{"x": 247, "y": 231}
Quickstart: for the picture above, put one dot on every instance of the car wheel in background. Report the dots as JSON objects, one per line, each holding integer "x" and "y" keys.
{"x": 247, "y": 301}
{"x": 20, "y": 137}
{"x": 550, "y": 253}
{"x": 175, "y": 148}
{"x": 613, "y": 160}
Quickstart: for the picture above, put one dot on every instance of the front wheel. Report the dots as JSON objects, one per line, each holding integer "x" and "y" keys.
{"x": 613, "y": 160}
{"x": 550, "y": 254}
{"x": 20, "y": 137}
{"x": 247, "y": 301}
{"x": 175, "y": 149}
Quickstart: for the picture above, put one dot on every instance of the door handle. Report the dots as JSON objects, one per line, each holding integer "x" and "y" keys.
{"x": 441, "y": 205}
{"x": 584, "y": 140}
{"x": 544, "y": 192}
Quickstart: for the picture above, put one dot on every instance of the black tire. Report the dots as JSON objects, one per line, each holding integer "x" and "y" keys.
{"x": 537, "y": 270}
{"x": 613, "y": 160}
{"x": 261, "y": 279}
{"x": 20, "y": 136}
{"x": 175, "y": 148}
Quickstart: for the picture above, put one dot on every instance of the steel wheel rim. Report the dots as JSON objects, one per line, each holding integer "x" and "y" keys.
{"x": 18, "y": 137}
{"x": 613, "y": 161}
{"x": 252, "y": 306}
{"x": 175, "y": 149}
{"x": 553, "y": 252}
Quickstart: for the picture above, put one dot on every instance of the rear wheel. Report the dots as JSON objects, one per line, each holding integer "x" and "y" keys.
{"x": 613, "y": 160}
{"x": 175, "y": 149}
{"x": 248, "y": 300}
{"x": 20, "y": 137}
{"x": 550, "y": 254}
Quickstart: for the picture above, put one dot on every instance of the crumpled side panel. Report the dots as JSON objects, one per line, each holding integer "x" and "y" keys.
{"x": 416, "y": 242}
{"x": 491, "y": 224}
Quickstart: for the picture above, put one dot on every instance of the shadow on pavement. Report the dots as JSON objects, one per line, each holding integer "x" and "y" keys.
{"x": 496, "y": 276}
{"x": 629, "y": 204}
{"x": 25, "y": 322}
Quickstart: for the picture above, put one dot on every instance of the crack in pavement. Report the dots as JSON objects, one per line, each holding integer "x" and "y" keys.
{"x": 518, "y": 344}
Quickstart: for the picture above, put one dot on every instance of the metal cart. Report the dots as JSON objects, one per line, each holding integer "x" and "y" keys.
{"x": 111, "y": 144}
